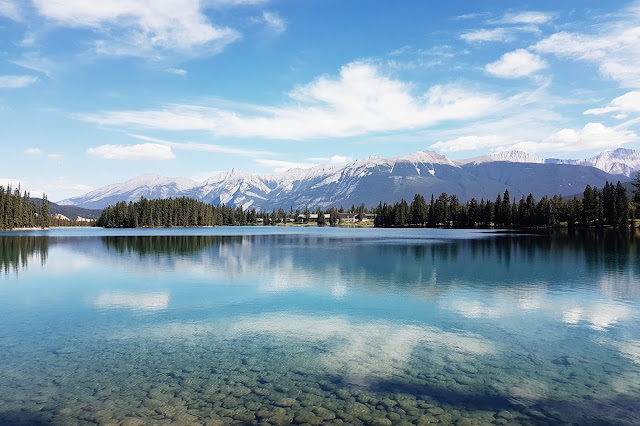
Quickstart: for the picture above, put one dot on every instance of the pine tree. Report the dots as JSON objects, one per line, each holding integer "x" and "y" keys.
{"x": 636, "y": 193}
{"x": 321, "y": 221}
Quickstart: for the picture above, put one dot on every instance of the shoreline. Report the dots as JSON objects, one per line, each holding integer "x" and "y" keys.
{"x": 36, "y": 228}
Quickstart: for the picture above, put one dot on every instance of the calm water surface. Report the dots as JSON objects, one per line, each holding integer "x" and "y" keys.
{"x": 333, "y": 326}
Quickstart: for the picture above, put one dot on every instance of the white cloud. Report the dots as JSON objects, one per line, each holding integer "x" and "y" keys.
{"x": 280, "y": 166}
{"x": 230, "y": 3}
{"x": 615, "y": 49}
{"x": 360, "y": 101}
{"x": 334, "y": 160}
{"x": 146, "y": 151}
{"x": 202, "y": 176}
{"x": 33, "y": 151}
{"x": 471, "y": 16}
{"x": 494, "y": 34}
{"x": 274, "y": 22}
{"x": 35, "y": 62}
{"x": 519, "y": 63}
{"x": 16, "y": 81}
{"x": 9, "y": 9}
{"x": 472, "y": 142}
{"x": 141, "y": 28}
{"x": 535, "y": 18}
{"x": 592, "y": 136}
{"x": 500, "y": 34}
{"x": 177, "y": 71}
{"x": 195, "y": 146}
{"x": 38, "y": 151}
{"x": 14, "y": 183}
{"x": 61, "y": 184}
{"x": 629, "y": 102}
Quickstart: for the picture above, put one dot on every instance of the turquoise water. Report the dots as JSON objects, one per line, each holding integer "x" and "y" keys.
{"x": 264, "y": 325}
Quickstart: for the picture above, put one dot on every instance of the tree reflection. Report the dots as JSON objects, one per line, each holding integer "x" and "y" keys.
{"x": 17, "y": 252}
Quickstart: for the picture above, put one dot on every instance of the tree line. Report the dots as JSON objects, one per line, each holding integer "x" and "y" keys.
{"x": 18, "y": 211}
{"x": 610, "y": 206}
{"x": 187, "y": 212}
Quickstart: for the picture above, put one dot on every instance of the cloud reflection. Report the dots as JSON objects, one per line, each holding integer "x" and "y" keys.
{"x": 361, "y": 351}
{"x": 135, "y": 301}
{"x": 597, "y": 314}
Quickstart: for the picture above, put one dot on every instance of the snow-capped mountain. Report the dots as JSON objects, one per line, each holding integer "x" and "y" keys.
{"x": 148, "y": 185}
{"x": 621, "y": 161}
{"x": 375, "y": 179}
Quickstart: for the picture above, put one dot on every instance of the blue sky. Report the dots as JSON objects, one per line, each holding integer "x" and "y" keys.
{"x": 96, "y": 92}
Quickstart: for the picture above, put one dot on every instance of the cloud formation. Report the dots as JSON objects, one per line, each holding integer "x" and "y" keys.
{"x": 177, "y": 71}
{"x": 146, "y": 151}
{"x": 531, "y": 17}
{"x": 16, "y": 81}
{"x": 333, "y": 160}
{"x": 591, "y": 136}
{"x": 206, "y": 147}
{"x": 472, "y": 143}
{"x": 499, "y": 34}
{"x": 274, "y": 22}
{"x": 9, "y": 9}
{"x": 519, "y": 63}
{"x": 33, "y": 151}
{"x": 281, "y": 166}
{"x": 615, "y": 49}
{"x": 360, "y": 101}
{"x": 141, "y": 28}
{"x": 629, "y": 102}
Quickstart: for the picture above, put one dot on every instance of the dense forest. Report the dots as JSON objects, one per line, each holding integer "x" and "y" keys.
{"x": 610, "y": 206}
{"x": 18, "y": 211}
{"x": 181, "y": 212}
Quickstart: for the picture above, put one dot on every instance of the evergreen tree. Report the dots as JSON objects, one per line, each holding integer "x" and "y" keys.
{"x": 636, "y": 193}
{"x": 321, "y": 221}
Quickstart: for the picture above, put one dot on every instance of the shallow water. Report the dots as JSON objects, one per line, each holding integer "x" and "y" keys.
{"x": 266, "y": 325}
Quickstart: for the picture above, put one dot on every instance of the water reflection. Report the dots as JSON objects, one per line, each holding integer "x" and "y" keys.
{"x": 315, "y": 326}
{"x": 131, "y": 300}
{"x": 17, "y": 252}
{"x": 362, "y": 353}
{"x": 417, "y": 264}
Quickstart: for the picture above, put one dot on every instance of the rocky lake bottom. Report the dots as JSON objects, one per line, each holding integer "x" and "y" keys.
{"x": 255, "y": 330}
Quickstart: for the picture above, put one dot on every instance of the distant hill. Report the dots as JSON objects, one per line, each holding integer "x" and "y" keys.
{"x": 72, "y": 212}
{"x": 375, "y": 179}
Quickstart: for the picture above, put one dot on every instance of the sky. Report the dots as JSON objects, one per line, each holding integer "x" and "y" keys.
{"x": 97, "y": 92}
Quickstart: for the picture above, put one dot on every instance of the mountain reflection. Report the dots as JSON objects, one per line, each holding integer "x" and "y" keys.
{"x": 413, "y": 262}
{"x": 605, "y": 259}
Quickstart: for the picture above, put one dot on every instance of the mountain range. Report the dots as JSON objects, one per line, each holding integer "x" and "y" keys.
{"x": 375, "y": 179}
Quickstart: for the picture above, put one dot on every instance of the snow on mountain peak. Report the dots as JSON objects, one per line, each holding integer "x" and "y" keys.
{"x": 621, "y": 161}
{"x": 239, "y": 187}
{"x": 426, "y": 157}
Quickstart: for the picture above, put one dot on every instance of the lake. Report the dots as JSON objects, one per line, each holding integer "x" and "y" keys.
{"x": 279, "y": 325}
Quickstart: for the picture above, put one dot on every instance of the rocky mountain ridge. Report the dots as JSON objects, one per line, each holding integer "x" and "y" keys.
{"x": 375, "y": 179}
